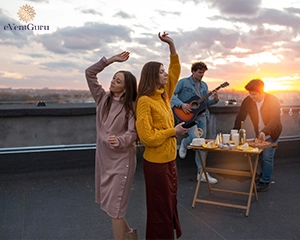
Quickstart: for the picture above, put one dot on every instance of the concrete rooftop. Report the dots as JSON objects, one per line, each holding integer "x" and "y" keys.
{"x": 51, "y": 196}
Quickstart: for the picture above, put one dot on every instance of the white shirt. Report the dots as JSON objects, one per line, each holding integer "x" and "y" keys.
{"x": 261, "y": 124}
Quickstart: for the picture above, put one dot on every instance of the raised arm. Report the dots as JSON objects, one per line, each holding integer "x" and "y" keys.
{"x": 164, "y": 37}
{"x": 91, "y": 73}
{"x": 121, "y": 57}
{"x": 174, "y": 66}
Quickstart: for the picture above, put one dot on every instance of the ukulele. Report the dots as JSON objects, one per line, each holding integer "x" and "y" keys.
{"x": 197, "y": 105}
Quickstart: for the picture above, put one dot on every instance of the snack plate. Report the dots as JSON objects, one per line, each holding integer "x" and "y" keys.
{"x": 205, "y": 146}
{"x": 256, "y": 143}
{"x": 247, "y": 149}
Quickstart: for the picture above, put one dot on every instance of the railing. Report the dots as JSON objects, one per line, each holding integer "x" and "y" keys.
{"x": 51, "y": 148}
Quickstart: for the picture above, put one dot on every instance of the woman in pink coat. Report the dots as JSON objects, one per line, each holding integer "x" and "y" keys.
{"x": 116, "y": 136}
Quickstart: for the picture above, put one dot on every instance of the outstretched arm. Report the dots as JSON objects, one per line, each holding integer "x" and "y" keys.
{"x": 121, "y": 57}
{"x": 165, "y": 38}
{"x": 91, "y": 73}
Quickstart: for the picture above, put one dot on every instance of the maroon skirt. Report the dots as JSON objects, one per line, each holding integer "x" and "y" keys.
{"x": 161, "y": 181}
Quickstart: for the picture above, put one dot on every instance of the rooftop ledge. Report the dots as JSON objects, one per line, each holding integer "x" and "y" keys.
{"x": 90, "y": 109}
{"x": 59, "y": 127}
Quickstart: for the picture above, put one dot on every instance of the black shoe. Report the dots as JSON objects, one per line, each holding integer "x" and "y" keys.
{"x": 258, "y": 177}
{"x": 262, "y": 187}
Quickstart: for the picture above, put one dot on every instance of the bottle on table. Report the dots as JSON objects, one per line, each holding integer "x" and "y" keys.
{"x": 242, "y": 134}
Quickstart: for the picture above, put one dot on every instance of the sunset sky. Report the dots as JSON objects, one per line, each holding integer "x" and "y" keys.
{"x": 239, "y": 40}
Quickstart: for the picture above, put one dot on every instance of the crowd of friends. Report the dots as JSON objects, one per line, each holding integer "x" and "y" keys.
{"x": 131, "y": 112}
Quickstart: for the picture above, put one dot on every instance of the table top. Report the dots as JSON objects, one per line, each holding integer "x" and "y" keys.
{"x": 232, "y": 150}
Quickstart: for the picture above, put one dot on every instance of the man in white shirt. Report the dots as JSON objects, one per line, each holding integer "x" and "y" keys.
{"x": 264, "y": 112}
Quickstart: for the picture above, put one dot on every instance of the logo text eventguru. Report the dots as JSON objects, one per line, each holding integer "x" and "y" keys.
{"x": 29, "y": 26}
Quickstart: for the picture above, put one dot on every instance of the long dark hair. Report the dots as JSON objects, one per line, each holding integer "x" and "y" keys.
{"x": 128, "y": 98}
{"x": 149, "y": 80}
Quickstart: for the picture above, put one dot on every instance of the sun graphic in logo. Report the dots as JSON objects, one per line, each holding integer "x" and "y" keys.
{"x": 26, "y": 13}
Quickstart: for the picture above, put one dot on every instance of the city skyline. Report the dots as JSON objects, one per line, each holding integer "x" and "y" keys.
{"x": 238, "y": 40}
{"x": 9, "y": 95}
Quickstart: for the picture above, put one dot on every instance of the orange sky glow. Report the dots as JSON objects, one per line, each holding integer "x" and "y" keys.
{"x": 272, "y": 84}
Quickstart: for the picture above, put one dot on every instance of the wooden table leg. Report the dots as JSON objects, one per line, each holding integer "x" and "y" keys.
{"x": 203, "y": 168}
{"x": 197, "y": 188}
{"x": 253, "y": 173}
{"x": 203, "y": 161}
{"x": 252, "y": 185}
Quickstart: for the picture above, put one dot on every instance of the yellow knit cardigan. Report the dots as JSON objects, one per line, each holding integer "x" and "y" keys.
{"x": 155, "y": 121}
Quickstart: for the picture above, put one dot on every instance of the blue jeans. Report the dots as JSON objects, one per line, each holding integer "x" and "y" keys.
{"x": 201, "y": 123}
{"x": 266, "y": 162}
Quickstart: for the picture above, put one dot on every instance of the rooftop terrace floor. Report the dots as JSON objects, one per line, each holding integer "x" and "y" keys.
{"x": 58, "y": 203}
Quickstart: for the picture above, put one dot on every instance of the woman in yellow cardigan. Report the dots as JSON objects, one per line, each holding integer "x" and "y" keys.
{"x": 155, "y": 127}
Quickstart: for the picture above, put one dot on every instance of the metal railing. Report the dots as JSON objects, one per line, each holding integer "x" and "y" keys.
{"x": 51, "y": 148}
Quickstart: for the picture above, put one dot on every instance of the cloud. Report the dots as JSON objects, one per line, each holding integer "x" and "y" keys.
{"x": 81, "y": 39}
{"x": 293, "y": 10}
{"x": 123, "y": 15}
{"x": 62, "y": 65}
{"x": 38, "y": 1}
{"x": 262, "y": 39}
{"x": 166, "y": 13}
{"x": 202, "y": 42}
{"x": 12, "y": 75}
{"x": 277, "y": 17}
{"x": 9, "y": 36}
{"x": 292, "y": 50}
{"x": 39, "y": 80}
{"x": 91, "y": 11}
{"x": 233, "y": 41}
{"x": 35, "y": 55}
{"x": 267, "y": 31}
{"x": 236, "y": 7}
{"x": 272, "y": 17}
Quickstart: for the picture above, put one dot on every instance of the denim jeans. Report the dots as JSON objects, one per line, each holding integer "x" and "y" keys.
{"x": 266, "y": 162}
{"x": 201, "y": 123}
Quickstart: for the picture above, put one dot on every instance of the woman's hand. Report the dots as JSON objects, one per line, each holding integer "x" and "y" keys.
{"x": 180, "y": 130}
{"x": 121, "y": 57}
{"x": 112, "y": 140}
{"x": 165, "y": 38}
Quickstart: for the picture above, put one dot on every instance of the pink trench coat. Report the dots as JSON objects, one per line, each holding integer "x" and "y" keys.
{"x": 115, "y": 166}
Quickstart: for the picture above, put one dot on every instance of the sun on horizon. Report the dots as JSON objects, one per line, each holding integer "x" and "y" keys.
{"x": 277, "y": 84}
